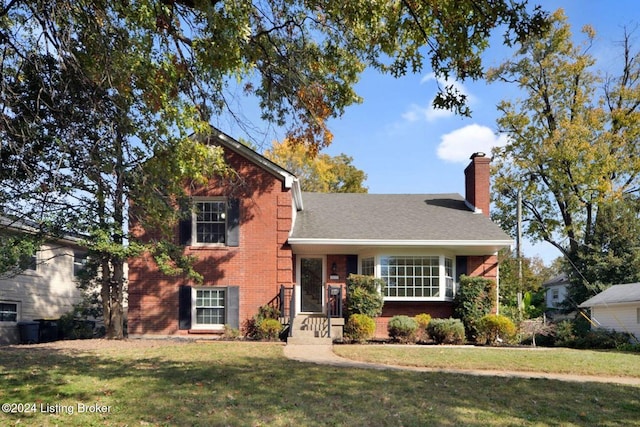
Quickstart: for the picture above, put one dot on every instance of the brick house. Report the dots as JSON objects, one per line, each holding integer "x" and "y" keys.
{"x": 252, "y": 239}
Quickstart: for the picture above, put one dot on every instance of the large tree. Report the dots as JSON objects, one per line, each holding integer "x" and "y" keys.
{"x": 574, "y": 151}
{"x": 97, "y": 99}
{"x": 320, "y": 173}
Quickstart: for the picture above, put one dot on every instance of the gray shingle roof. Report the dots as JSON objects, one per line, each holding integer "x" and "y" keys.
{"x": 417, "y": 217}
{"x": 616, "y": 294}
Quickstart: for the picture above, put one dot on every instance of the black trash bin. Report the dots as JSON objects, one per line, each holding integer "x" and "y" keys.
{"x": 29, "y": 332}
{"x": 48, "y": 329}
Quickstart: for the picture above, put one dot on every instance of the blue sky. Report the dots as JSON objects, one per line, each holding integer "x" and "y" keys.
{"x": 404, "y": 146}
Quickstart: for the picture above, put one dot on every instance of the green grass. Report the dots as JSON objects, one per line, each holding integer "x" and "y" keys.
{"x": 549, "y": 360}
{"x": 252, "y": 384}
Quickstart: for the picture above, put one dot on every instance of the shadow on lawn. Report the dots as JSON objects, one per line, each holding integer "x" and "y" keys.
{"x": 253, "y": 384}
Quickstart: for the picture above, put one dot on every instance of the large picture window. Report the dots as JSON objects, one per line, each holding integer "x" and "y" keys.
{"x": 210, "y": 222}
{"x": 411, "y": 276}
{"x": 209, "y": 308}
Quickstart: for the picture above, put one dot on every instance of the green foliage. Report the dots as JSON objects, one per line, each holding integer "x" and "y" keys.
{"x": 422, "y": 320}
{"x": 475, "y": 298}
{"x": 148, "y": 74}
{"x": 364, "y": 295}
{"x": 16, "y": 252}
{"x": 493, "y": 327}
{"x": 72, "y": 327}
{"x": 359, "y": 328}
{"x": 402, "y": 329}
{"x": 269, "y": 329}
{"x": 569, "y": 156}
{"x": 446, "y": 331}
{"x": 610, "y": 255}
{"x": 230, "y": 333}
{"x": 253, "y": 327}
{"x": 629, "y": 347}
{"x": 565, "y": 333}
{"x": 318, "y": 172}
{"x": 600, "y": 339}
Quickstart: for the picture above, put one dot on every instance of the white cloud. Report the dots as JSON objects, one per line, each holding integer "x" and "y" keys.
{"x": 416, "y": 113}
{"x": 457, "y": 146}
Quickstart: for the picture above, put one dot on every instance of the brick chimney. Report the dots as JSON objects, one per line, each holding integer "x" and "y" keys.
{"x": 476, "y": 178}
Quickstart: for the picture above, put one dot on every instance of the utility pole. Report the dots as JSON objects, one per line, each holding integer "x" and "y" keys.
{"x": 519, "y": 248}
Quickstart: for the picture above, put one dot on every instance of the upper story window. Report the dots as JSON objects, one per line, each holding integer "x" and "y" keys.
{"x": 213, "y": 222}
{"x": 555, "y": 294}
{"x": 210, "y": 222}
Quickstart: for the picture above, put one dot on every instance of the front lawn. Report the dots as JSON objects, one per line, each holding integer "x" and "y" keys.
{"x": 541, "y": 359}
{"x": 252, "y": 384}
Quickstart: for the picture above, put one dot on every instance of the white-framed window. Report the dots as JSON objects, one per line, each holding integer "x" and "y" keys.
{"x": 448, "y": 277}
{"x": 208, "y": 308}
{"x": 411, "y": 276}
{"x": 368, "y": 266}
{"x": 555, "y": 293}
{"x": 210, "y": 222}
{"x": 9, "y": 311}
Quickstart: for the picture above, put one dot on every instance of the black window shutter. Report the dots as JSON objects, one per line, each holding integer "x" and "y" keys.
{"x": 461, "y": 266}
{"x": 233, "y": 222}
{"x": 233, "y": 307}
{"x": 184, "y": 307}
{"x": 352, "y": 264}
{"x": 185, "y": 231}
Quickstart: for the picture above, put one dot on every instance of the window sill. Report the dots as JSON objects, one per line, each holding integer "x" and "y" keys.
{"x": 419, "y": 299}
{"x": 206, "y": 331}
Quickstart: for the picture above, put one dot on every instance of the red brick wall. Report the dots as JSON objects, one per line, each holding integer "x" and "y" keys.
{"x": 261, "y": 262}
{"x": 410, "y": 308}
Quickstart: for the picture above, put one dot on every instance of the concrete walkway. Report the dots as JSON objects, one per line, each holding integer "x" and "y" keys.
{"x": 324, "y": 355}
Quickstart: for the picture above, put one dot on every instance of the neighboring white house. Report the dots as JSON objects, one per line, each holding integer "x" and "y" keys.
{"x": 556, "y": 291}
{"x": 45, "y": 290}
{"x": 617, "y": 308}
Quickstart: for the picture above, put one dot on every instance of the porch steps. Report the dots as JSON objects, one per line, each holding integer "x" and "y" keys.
{"x": 309, "y": 329}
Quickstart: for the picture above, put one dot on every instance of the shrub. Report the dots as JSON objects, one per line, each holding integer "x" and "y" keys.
{"x": 402, "y": 329}
{"x": 364, "y": 295}
{"x": 601, "y": 339}
{"x": 72, "y": 327}
{"x": 422, "y": 320}
{"x": 231, "y": 333}
{"x": 269, "y": 329}
{"x": 565, "y": 334}
{"x": 475, "y": 298}
{"x": 359, "y": 328}
{"x": 251, "y": 327}
{"x": 493, "y": 327}
{"x": 446, "y": 331}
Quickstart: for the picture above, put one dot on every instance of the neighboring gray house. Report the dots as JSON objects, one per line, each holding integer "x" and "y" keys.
{"x": 556, "y": 291}
{"x": 45, "y": 290}
{"x": 617, "y": 308}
